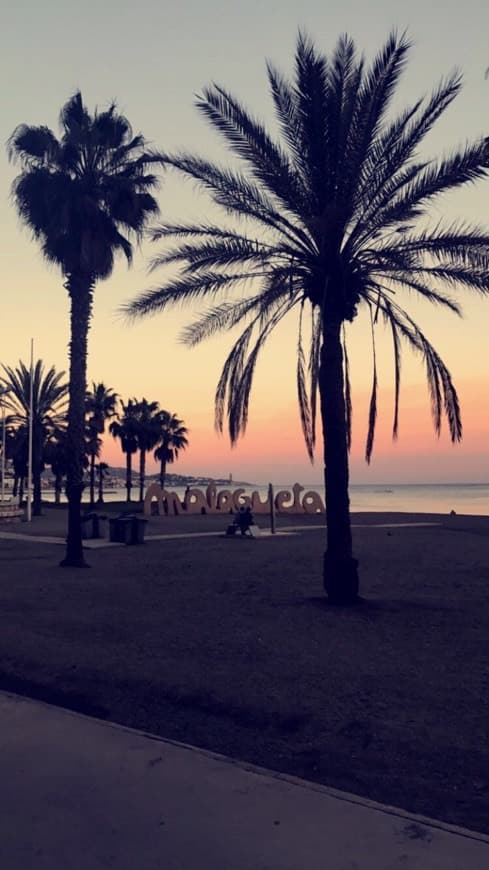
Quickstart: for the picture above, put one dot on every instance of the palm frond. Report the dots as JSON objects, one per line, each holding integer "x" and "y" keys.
{"x": 372, "y": 412}
{"x": 443, "y": 395}
{"x": 250, "y": 141}
{"x": 348, "y": 399}
{"x": 191, "y": 287}
{"x": 240, "y": 197}
{"x": 304, "y": 401}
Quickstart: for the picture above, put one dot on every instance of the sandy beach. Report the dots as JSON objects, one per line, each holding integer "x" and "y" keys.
{"x": 229, "y": 645}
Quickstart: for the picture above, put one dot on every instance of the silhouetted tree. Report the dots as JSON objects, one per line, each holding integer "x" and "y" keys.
{"x": 147, "y": 434}
{"x": 56, "y": 456}
{"x": 335, "y": 204}
{"x": 102, "y": 470}
{"x": 172, "y": 439}
{"x": 48, "y": 406}
{"x": 16, "y": 450}
{"x": 125, "y": 429}
{"x": 82, "y": 195}
{"x": 100, "y": 405}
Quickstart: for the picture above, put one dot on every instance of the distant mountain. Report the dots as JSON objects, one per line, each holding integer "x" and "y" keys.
{"x": 118, "y": 473}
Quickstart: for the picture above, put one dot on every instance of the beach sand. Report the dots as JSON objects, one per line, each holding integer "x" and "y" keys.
{"x": 228, "y": 644}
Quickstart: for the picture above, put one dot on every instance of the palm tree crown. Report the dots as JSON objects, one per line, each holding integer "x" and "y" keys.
{"x": 172, "y": 439}
{"x": 332, "y": 226}
{"x": 82, "y": 194}
{"x": 49, "y": 393}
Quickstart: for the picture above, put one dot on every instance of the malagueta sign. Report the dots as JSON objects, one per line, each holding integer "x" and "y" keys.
{"x": 214, "y": 501}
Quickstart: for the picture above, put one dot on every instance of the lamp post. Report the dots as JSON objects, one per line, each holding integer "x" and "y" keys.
{"x": 3, "y": 392}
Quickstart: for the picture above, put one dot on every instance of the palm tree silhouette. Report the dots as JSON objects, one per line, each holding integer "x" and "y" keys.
{"x": 172, "y": 439}
{"x": 125, "y": 429}
{"x": 147, "y": 434}
{"x": 100, "y": 406}
{"x": 335, "y": 207}
{"x": 102, "y": 470}
{"x": 82, "y": 195}
{"x": 49, "y": 394}
{"x": 56, "y": 455}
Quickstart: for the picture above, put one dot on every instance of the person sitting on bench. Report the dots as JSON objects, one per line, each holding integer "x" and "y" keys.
{"x": 242, "y": 521}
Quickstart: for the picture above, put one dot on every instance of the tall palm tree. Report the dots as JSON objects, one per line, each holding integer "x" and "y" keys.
{"x": 125, "y": 429}
{"x": 100, "y": 406}
{"x": 49, "y": 393}
{"x": 172, "y": 439}
{"x": 82, "y": 195}
{"x": 148, "y": 431}
{"x": 331, "y": 230}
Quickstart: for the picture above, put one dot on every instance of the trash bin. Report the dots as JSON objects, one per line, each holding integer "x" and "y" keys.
{"x": 138, "y": 529}
{"x": 93, "y": 525}
{"x": 127, "y": 529}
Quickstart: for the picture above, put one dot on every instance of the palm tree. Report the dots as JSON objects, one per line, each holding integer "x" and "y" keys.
{"x": 147, "y": 433}
{"x": 17, "y": 451}
{"x": 102, "y": 470}
{"x": 335, "y": 205}
{"x": 100, "y": 406}
{"x": 125, "y": 428}
{"x": 55, "y": 455}
{"x": 82, "y": 195}
{"x": 48, "y": 405}
{"x": 172, "y": 438}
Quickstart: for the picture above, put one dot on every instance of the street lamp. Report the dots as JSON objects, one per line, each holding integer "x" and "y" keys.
{"x": 3, "y": 392}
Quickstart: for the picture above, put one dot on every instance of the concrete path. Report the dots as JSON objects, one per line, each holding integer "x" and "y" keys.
{"x": 81, "y": 794}
{"x": 97, "y": 543}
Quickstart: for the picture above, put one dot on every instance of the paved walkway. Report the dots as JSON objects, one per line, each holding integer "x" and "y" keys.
{"x": 97, "y": 543}
{"x": 83, "y": 794}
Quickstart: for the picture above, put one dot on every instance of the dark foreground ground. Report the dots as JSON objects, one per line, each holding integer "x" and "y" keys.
{"x": 228, "y": 644}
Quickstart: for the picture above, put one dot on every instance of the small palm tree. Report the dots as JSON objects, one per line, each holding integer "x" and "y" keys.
{"x": 16, "y": 450}
{"x": 102, "y": 471}
{"x": 172, "y": 439}
{"x": 56, "y": 456}
{"x": 332, "y": 230}
{"x": 49, "y": 393}
{"x": 125, "y": 429}
{"x": 82, "y": 195}
{"x": 147, "y": 416}
{"x": 100, "y": 406}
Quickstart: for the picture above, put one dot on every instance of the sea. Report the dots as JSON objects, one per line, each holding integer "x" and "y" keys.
{"x": 468, "y": 498}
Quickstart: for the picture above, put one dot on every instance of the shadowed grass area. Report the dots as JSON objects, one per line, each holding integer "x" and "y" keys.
{"x": 229, "y": 645}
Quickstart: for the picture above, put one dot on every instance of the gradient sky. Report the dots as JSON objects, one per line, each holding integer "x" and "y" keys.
{"x": 152, "y": 57}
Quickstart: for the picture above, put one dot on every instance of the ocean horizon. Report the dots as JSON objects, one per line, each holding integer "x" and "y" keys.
{"x": 463, "y": 498}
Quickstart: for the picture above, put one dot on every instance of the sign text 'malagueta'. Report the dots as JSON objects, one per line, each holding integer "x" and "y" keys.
{"x": 212, "y": 501}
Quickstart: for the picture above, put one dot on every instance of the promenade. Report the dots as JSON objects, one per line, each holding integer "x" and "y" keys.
{"x": 83, "y": 794}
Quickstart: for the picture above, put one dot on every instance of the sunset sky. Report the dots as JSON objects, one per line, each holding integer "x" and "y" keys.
{"x": 152, "y": 57}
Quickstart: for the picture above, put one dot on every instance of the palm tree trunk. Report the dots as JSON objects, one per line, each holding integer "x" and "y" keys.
{"x": 340, "y": 575}
{"x": 80, "y": 291}
{"x": 36, "y": 474}
{"x": 92, "y": 479}
{"x": 128, "y": 475}
{"x": 142, "y": 471}
{"x": 58, "y": 485}
{"x": 162, "y": 473}
{"x": 100, "y": 499}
